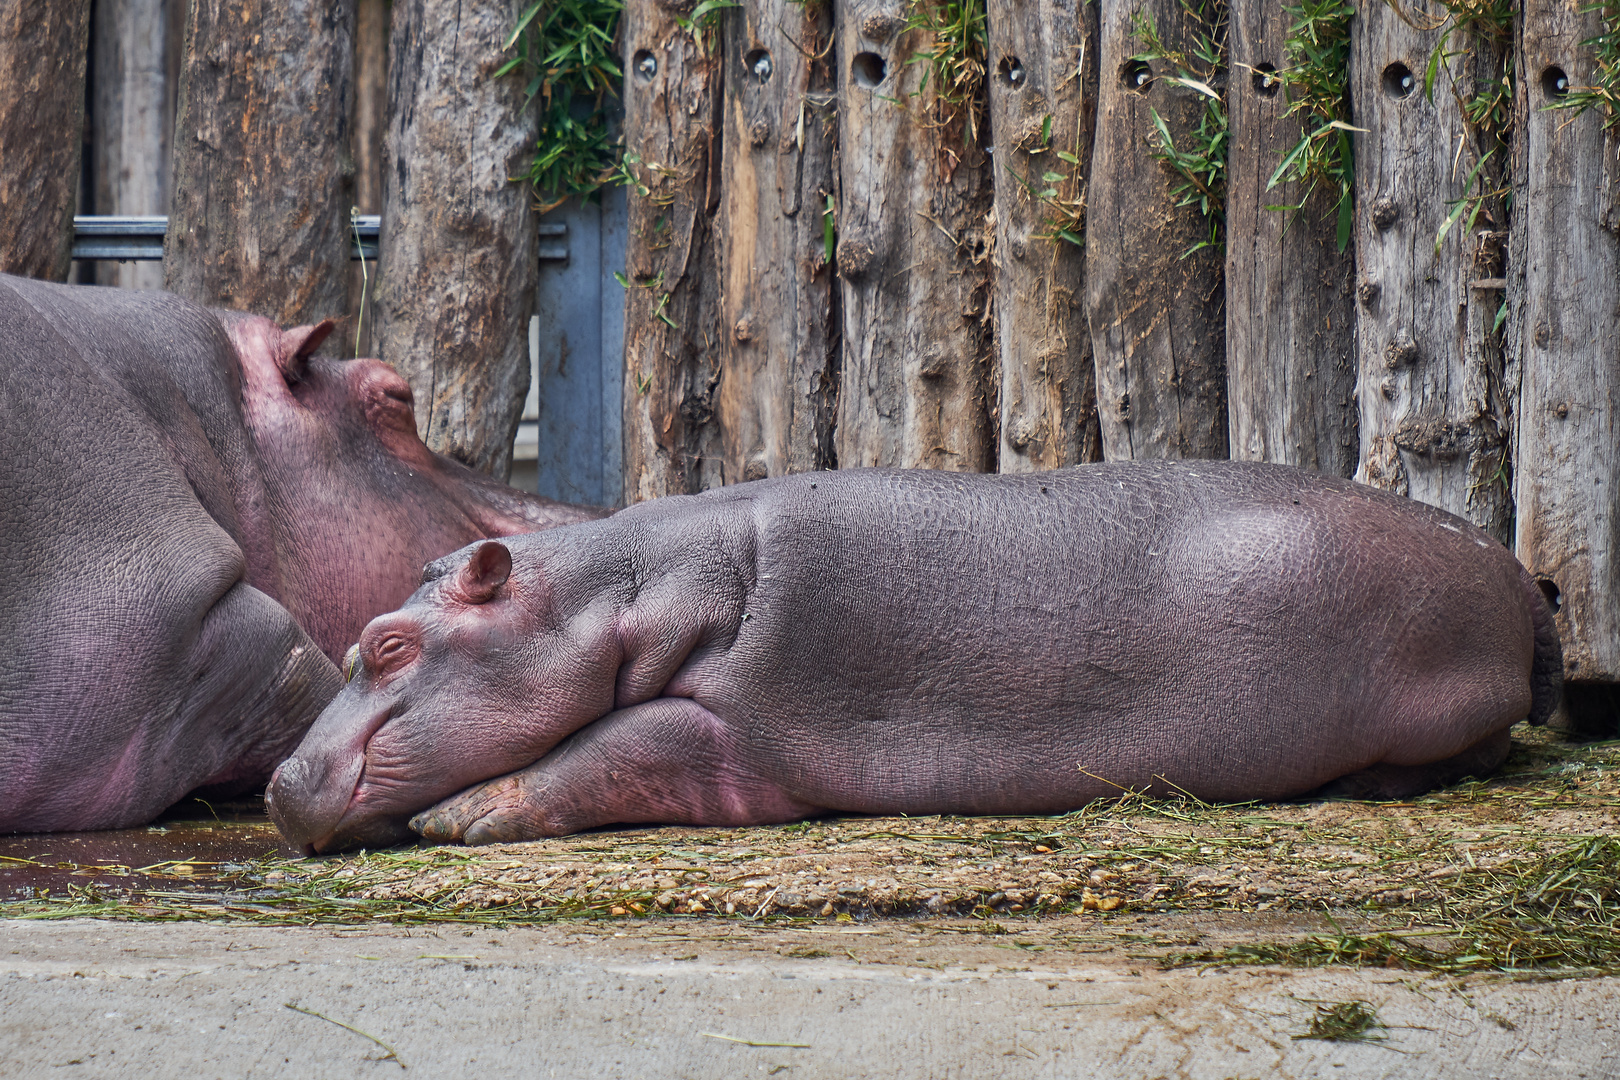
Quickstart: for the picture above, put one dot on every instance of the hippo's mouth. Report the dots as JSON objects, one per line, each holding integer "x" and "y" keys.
{"x": 313, "y": 795}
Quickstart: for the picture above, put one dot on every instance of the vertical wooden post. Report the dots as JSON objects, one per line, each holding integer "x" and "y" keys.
{"x": 459, "y": 237}
{"x": 1042, "y": 60}
{"x": 262, "y": 176}
{"x": 130, "y": 121}
{"x": 912, "y": 240}
{"x": 672, "y": 100}
{"x": 774, "y": 403}
{"x": 1290, "y": 306}
{"x": 1564, "y": 327}
{"x": 1156, "y": 316}
{"x": 1433, "y": 410}
{"x": 42, "y": 61}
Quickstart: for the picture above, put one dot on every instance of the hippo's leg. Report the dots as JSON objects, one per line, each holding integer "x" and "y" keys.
{"x": 668, "y": 760}
{"x": 1403, "y": 781}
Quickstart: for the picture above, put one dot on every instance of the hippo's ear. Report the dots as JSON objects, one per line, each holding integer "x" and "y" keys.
{"x": 485, "y": 572}
{"x": 297, "y": 346}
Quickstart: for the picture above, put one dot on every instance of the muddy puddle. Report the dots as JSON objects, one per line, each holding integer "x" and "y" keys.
{"x": 194, "y": 849}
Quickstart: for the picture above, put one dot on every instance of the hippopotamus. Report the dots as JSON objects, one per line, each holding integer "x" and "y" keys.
{"x": 914, "y": 642}
{"x": 197, "y": 516}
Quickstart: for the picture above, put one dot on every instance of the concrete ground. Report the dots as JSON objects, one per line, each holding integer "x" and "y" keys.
{"x": 83, "y": 998}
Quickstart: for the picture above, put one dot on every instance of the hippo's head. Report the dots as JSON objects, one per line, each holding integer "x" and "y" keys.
{"x": 481, "y": 672}
{"x": 353, "y": 504}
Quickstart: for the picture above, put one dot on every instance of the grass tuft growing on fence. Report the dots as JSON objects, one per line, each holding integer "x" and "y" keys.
{"x": 1474, "y": 51}
{"x": 1198, "y": 165}
{"x": 954, "y": 59}
{"x": 567, "y": 48}
{"x": 1604, "y": 93}
{"x": 1316, "y": 84}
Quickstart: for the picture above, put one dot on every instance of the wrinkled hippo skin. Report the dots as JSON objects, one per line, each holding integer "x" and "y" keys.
{"x": 197, "y": 517}
{"x": 896, "y": 642}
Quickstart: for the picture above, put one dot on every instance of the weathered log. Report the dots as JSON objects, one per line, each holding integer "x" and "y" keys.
{"x": 1043, "y": 103}
{"x": 1290, "y": 303}
{"x": 1563, "y": 327}
{"x": 1156, "y": 312}
{"x": 1433, "y": 411}
{"x": 774, "y": 403}
{"x": 459, "y": 240}
{"x": 672, "y": 102}
{"x": 43, "y": 47}
{"x": 912, "y": 244}
{"x": 131, "y": 121}
{"x": 263, "y": 181}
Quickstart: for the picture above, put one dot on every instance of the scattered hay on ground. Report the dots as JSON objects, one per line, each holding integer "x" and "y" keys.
{"x": 1514, "y": 873}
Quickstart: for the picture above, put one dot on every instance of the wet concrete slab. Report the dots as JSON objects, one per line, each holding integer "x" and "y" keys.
{"x": 100, "y": 999}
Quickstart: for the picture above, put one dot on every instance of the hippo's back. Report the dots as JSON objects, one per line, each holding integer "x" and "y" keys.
{"x": 1240, "y": 626}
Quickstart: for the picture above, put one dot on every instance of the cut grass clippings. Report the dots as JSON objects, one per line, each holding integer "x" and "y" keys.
{"x": 1516, "y": 873}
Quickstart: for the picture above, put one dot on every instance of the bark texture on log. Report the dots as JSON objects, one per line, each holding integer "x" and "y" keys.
{"x": 1157, "y": 319}
{"x": 672, "y": 333}
{"x": 1042, "y": 60}
{"x": 774, "y": 403}
{"x": 1433, "y": 410}
{"x": 262, "y": 174}
{"x": 460, "y": 237}
{"x": 43, "y": 48}
{"x": 1565, "y": 326}
{"x": 132, "y": 120}
{"x": 1290, "y": 304}
{"x": 913, "y": 246}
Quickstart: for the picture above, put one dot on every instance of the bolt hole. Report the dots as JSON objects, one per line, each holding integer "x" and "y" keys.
{"x": 1549, "y": 588}
{"x": 868, "y": 69}
{"x": 1554, "y": 83}
{"x": 1266, "y": 80}
{"x": 1399, "y": 81}
{"x": 1011, "y": 70}
{"x": 758, "y": 65}
{"x": 646, "y": 65}
{"x": 1136, "y": 75}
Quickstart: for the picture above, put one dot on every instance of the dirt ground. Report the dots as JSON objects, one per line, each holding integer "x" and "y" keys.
{"x": 1517, "y": 872}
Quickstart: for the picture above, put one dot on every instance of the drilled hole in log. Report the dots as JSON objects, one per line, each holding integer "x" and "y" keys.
{"x": 645, "y": 64}
{"x": 1554, "y": 83}
{"x": 1266, "y": 80}
{"x": 1011, "y": 70}
{"x": 1549, "y": 588}
{"x": 758, "y": 65}
{"x": 1399, "y": 81}
{"x": 1136, "y": 75}
{"x": 868, "y": 69}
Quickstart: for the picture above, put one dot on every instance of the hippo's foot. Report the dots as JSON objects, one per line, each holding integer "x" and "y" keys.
{"x": 668, "y": 761}
{"x": 1385, "y": 781}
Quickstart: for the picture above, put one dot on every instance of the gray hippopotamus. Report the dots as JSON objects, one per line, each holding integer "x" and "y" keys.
{"x": 898, "y": 642}
{"x": 197, "y": 517}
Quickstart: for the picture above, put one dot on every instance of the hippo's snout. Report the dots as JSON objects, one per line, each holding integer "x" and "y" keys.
{"x": 306, "y": 802}
{"x": 312, "y": 793}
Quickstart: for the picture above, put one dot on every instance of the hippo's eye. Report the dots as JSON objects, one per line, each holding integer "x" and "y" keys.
{"x": 351, "y": 662}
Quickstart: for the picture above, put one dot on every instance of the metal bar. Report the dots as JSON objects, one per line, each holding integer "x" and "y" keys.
{"x": 140, "y": 239}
